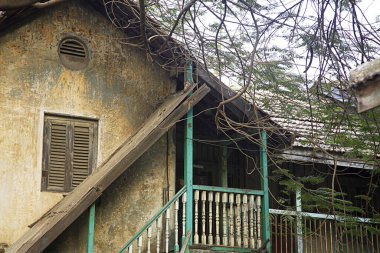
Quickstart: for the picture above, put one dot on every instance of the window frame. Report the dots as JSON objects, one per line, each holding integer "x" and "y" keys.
{"x": 70, "y": 121}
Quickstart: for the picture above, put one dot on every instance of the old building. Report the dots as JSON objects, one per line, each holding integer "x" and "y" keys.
{"x": 97, "y": 148}
{"x": 66, "y": 81}
{"x": 72, "y": 95}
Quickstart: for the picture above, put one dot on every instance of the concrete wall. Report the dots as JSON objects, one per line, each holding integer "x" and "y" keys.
{"x": 120, "y": 88}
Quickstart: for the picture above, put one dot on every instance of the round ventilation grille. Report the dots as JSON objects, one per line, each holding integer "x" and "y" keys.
{"x": 73, "y": 53}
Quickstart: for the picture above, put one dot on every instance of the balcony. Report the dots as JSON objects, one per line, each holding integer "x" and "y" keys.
{"x": 223, "y": 219}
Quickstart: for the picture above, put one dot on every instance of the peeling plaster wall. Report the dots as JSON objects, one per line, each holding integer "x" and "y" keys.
{"x": 120, "y": 88}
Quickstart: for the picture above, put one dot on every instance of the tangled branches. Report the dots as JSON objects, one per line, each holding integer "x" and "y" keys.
{"x": 290, "y": 58}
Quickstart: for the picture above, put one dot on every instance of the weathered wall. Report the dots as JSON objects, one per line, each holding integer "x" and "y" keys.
{"x": 119, "y": 87}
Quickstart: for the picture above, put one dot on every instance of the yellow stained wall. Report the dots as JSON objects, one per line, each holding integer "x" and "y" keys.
{"x": 120, "y": 88}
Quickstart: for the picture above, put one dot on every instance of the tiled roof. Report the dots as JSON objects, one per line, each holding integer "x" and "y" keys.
{"x": 327, "y": 134}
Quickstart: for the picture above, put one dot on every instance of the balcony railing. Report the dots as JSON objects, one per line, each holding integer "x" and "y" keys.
{"x": 223, "y": 218}
{"x": 156, "y": 235}
{"x": 227, "y": 217}
{"x": 321, "y": 233}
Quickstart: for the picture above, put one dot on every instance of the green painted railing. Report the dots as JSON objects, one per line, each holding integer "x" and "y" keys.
{"x": 322, "y": 233}
{"x": 227, "y": 217}
{"x": 223, "y": 218}
{"x": 188, "y": 156}
{"x": 154, "y": 227}
{"x": 91, "y": 229}
{"x": 265, "y": 188}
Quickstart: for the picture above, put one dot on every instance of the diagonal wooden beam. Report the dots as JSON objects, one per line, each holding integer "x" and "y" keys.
{"x": 53, "y": 223}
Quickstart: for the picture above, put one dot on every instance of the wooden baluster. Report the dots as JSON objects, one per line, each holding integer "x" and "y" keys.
{"x": 149, "y": 236}
{"x": 167, "y": 231}
{"x": 361, "y": 237}
{"x": 183, "y": 217}
{"x": 139, "y": 244}
{"x": 339, "y": 241}
{"x": 232, "y": 230}
{"x": 320, "y": 236}
{"x": 356, "y": 236}
{"x": 307, "y": 236}
{"x": 203, "y": 198}
{"x": 196, "y": 201}
{"x": 217, "y": 236}
{"x": 372, "y": 242}
{"x": 325, "y": 239}
{"x": 347, "y": 240}
{"x": 252, "y": 223}
{"x": 331, "y": 237}
{"x": 377, "y": 238}
{"x": 245, "y": 221}
{"x": 281, "y": 229}
{"x": 316, "y": 236}
{"x": 276, "y": 232}
{"x": 238, "y": 220}
{"x": 130, "y": 249}
{"x": 176, "y": 243}
{"x": 292, "y": 236}
{"x": 258, "y": 222}
{"x": 367, "y": 238}
{"x": 286, "y": 235}
{"x": 158, "y": 233}
{"x": 210, "y": 200}
{"x": 224, "y": 213}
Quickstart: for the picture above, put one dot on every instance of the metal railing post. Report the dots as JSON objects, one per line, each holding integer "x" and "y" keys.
{"x": 265, "y": 189}
{"x": 91, "y": 229}
{"x": 299, "y": 221}
{"x": 188, "y": 159}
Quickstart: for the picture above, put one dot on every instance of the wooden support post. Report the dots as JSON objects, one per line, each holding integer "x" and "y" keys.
{"x": 91, "y": 228}
{"x": 188, "y": 166}
{"x": 223, "y": 170}
{"x": 299, "y": 221}
{"x": 265, "y": 188}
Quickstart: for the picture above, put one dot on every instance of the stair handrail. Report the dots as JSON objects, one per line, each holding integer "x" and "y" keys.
{"x": 153, "y": 219}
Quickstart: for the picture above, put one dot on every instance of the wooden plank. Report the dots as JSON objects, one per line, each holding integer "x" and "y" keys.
{"x": 308, "y": 156}
{"x": 68, "y": 209}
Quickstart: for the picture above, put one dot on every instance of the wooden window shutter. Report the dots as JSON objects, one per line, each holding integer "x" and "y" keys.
{"x": 56, "y": 140}
{"x": 69, "y": 152}
{"x": 82, "y": 155}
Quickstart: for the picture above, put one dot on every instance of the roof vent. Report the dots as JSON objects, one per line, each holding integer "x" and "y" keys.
{"x": 73, "y": 53}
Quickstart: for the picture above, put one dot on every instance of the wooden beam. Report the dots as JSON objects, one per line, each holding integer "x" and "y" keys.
{"x": 53, "y": 223}
{"x": 223, "y": 166}
{"x": 310, "y": 156}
